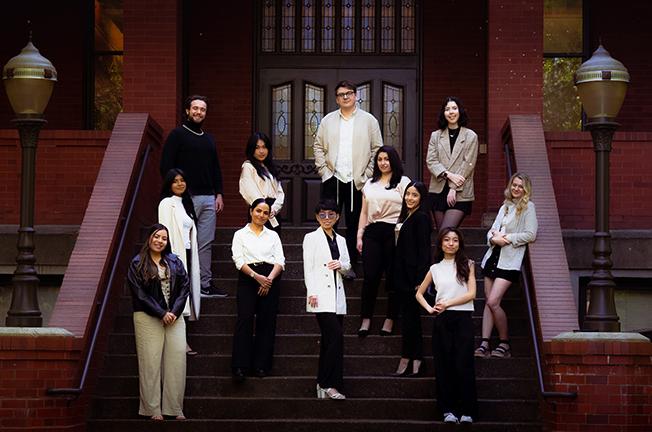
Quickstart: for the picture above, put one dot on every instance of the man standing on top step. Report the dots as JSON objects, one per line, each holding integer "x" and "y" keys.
{"x": 345, "y": 145}
{"x": 193, "y": 151}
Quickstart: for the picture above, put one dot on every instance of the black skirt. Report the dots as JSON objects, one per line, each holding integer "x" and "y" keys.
{"x": 438, "y": 202}
{"x": 492, "y": 271}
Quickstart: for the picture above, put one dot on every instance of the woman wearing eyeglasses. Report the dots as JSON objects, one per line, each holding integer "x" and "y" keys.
{"x": 325, "y": 259}
{"x": 382, "y": 196}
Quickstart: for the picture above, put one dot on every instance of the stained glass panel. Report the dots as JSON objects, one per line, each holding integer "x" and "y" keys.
{"x": 368, "y": 30}
{"x": 393, "y": 117}
{"x": 314, "y": 112}
{"x": 364, "y": 96}
{"x": 288, "y": 26}
{"x": 348, "y": 26}
{"x": 328, "y": 26}
{"x": 408, "y": 22}
{"x": 308, "y": 26}
{"x": 268, "y": 41}
{"x": 388, "y": 27}
{"x": 282, "y": 121}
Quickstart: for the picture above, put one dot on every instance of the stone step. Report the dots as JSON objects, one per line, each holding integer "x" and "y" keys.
{"x": 306, "y": 365}
{"x": 307, "y": 324}
{"x": 301, "y": 425}
{"x": 123, "y": 343}
{"x": 309, "y": 408}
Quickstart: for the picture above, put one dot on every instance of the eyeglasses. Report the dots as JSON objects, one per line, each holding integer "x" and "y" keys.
{"x": 327, "y": 215}
{"x": 345, "y": 95}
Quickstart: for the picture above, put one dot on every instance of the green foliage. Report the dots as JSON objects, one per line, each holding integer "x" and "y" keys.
{"x": 562, "y": 110}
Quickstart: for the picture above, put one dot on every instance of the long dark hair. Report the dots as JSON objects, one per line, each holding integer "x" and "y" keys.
{"x": 186, "y": 198}
{"x": 394, "y": 162}
{"x": 269, "y": 160}
{"x": 423, "y": 193}
{"x": 462, "y": 262}
{"x": 463, "y": 119}
{"x": 147, "y": 267}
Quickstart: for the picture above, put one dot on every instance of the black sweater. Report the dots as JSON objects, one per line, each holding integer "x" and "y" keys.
{"x": 196, "y": 156}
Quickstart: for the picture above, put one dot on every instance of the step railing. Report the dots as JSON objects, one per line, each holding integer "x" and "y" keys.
{"x": 525, "y": 282}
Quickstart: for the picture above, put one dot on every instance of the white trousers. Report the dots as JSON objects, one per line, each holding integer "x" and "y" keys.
{"x": 161, "y": 360}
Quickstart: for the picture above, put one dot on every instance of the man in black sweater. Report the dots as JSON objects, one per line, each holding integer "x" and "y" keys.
{"x": 193, "y": 151}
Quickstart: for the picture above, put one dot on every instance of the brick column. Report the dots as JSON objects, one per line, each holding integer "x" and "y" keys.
{"x": 612, "y": 375}
{"x": 152, "y": 62}
{"x": 514, "y": 77}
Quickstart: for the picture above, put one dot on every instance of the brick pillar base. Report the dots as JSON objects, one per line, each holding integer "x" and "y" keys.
{"x": 612, "y": 375}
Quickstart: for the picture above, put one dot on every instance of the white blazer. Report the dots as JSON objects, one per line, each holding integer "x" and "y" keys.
{"x": 252, "y": 187}
{"x": 318, "y": 278}
{"x": 167, "y": 210}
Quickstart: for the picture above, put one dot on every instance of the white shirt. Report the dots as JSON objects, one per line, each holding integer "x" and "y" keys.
{"x": 183, "y": 219}
{"x": 444, "y": 277}
{"x": 248, "y": 247}
{"x": 384, "y": 205}
{"x": 344, "y": 162}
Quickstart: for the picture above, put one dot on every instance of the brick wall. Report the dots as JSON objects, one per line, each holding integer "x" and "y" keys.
{"x": 454, "y": 64}
{"x": 515, "y": 79}
{"x": 58, "y": 32}
{"x": 220, "y": 44}
{"x": 67, "y": 163}
{"x": 572, "y": 163}
{"x": 612, "y": 380}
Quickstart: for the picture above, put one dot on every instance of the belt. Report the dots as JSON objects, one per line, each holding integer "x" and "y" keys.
{"x": 256, "y": 264}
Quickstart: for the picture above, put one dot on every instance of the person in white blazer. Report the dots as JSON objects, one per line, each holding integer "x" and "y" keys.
{"x": 177, "y": 212}
{"x": 259, "y": 177}
{"x": 325, "y": 258}
{"x": 514, "y": 228}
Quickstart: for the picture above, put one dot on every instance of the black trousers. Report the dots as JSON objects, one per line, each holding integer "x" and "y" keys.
{"x": 249, "y": 350}
{"x": 452, "y": 349}
{"x": 331, "y": 350}
{"x": 412, "y": 343}
{"x": 378, "y": 258}
{"x": 341, "y": 193}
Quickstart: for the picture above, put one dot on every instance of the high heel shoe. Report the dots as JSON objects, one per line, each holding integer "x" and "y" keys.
{"x": 321, "y": 394}
{"x": 329, "y": 393}
{"x": 404, "y": 372}
{"x": 421, "y": 369}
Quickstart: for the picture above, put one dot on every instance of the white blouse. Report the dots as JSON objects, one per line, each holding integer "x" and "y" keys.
{"x": 384, "y": 205}
{"x": 444, "y": 277}
{"x": 249, "y": 247}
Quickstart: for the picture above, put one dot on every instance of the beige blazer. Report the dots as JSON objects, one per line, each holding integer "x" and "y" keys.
{"x": 461, "y": 161}
{"x": 366, "y": 142}
{"x": 252, "y": 187}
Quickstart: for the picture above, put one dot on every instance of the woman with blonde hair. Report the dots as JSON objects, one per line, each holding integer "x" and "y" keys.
{"x": 514, "y": 228}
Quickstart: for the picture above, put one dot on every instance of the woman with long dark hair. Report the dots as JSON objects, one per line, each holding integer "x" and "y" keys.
{"x": 159, "y": 287}
{"x": 177, "y": 212}
{"x": 259, "y": 176}
{"x": 453, "y": 276}
{"x": 382, "y": 195}
{"x": 514, "y": 228}
{"x": 452, "y": 153}
{"x": 411, "y": 263}
{"x": 258, "y": 256}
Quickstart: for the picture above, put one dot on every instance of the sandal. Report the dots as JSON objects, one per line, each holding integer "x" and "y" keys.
{"x": 483, "y": 351}
{"x": 502, "y": 351}
{"x": 157, "y": 417}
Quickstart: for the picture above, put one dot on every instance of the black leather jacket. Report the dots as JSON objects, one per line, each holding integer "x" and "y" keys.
{"x": 147, "y": 295}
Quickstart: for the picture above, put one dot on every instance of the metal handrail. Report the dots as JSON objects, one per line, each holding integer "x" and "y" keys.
{"x": 525, "y": 277}
{"x": 76, "y": 391}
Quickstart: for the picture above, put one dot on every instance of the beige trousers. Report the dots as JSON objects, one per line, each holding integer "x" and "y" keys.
{"x": 160, "y": 349}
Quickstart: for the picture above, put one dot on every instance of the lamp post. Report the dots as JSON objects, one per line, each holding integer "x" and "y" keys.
{"x": 602, "y": 83}
{"x": 29, "y": 79}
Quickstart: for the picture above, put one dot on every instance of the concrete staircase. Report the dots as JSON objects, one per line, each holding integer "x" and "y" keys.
{"x": 507, "y": 389}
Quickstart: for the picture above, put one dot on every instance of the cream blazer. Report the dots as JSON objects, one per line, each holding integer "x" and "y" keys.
{"x": 252, "y": 187}
{"x": 461, "y": 161}
{"x": 366, "y": 142}
{"x": 167, "y": 216}
{"x": 519, "y": 230}
{"x": 318, "y": 278}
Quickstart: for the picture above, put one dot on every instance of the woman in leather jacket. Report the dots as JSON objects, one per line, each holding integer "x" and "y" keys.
{"x": 159, "y": 287}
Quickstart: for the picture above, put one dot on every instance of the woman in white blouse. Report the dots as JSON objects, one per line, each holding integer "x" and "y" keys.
{"x": 382, "y": 196}
{"x": 325, "y": 258}
{"x": 258, "y": 255}
{"x": 259, "y": 176}
{"x": 177, "y": 212}
{"x": 514, "y": 228}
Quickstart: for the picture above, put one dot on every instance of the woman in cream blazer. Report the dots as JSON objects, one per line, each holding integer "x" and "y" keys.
{"x": 325, "y": 258}
{"x": 452, "y": 153}
{"x": 514, "y": 228}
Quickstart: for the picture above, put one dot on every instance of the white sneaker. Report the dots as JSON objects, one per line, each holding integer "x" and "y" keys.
{"x": 450, "y": 418}
{"x": 466, "y": 419}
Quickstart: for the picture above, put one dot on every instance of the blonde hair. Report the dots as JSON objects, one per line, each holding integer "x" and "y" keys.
{"x": 521, "y": 204}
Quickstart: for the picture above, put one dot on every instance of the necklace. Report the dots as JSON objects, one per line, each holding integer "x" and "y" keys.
{"x": 196, "y": 133}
